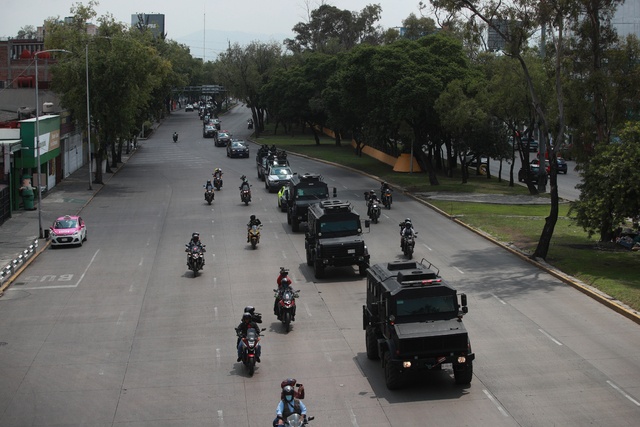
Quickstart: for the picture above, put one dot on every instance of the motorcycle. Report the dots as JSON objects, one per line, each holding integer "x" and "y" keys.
{"x": 245, "y": 195}
{"x": 296, "y": 420}
{"x": 408, "y": 243}
{"x": 387, "y": 199}
{"x": 254, "y": 235}
{"x": 175, "y": 137}
{"x": 374, "y": 211}
{"x": 286, "y": 306}
{"x": 217, "y": 182}
{"x": 249, "y": 347}
{"x": 195, "y": 258}
{"x": 209, "y": 195}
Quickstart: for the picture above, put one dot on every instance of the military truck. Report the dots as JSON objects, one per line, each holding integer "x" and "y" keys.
{"x": 304, "y": 190}
{"x": 413, "y": 322}
{"x": 334, "y": 237}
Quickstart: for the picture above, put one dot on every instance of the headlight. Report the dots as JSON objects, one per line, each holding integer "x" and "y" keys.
{"x": 406, "y": 364}
{"x": 462, "y": 359}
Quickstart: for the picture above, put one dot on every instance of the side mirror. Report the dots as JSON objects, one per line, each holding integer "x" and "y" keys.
{"x": 463, "y": 299}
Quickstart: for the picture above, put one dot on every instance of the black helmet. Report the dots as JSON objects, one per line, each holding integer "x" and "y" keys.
{"x": 285, "y": 281}
{"x": 252, "y": 217}
{"x": 288, "y": 391}
{"x": 246, "y": 316}
{"x": 195, "y": 237}
{"x": 249, "y": 309}
{"x": 407, "y": 220}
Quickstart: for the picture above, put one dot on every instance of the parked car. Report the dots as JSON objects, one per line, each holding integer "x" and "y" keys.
{"x": 535, "y": 164}
{"x": 534, "y": 170}
{"x": 68, "y": 230}
{"x": 237, "y": 148}
{"x": 224, "y": 137}
{"x": 209, "y": 131}
{"x": 277, "y": 176}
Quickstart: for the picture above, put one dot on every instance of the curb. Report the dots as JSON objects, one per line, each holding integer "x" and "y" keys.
{"x": 590, "y": 291}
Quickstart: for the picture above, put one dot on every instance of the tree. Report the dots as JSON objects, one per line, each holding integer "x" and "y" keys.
{"x": 610, "y": 189}
{"x": 27, "y": 32}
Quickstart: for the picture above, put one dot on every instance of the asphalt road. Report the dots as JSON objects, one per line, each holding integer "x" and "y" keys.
{"x": 118, "y": 332}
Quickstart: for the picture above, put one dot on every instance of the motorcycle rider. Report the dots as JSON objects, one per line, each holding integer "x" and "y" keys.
{"x": 245, "y": 183}
{"x": 252, "y": 221}
{"x": 371, "y": 199}
{"x": 283, "y": 283}
{"x": 298, "y": 394}
{"x": 246, "y": 324}
{"x": 289, "y": 405}
{"x": 208, "y": 186}
{"x": 175, "y": 136}
{"x": 283, "y": 273}
{"x": 384, "y": 187}
{"x": 195, "y": 240}
{"x": 255, "y": 316}
{"x": 406, "y": 229}
{"x": 217, "y": 173}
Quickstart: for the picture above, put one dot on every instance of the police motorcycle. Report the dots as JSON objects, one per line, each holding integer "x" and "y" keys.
{"x": 208, "y": 192}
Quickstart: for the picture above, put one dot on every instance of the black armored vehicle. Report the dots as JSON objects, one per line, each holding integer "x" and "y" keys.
{"x": 334, "y": 237}
{"x": 304, "y": 190}
{"x": 413, "y": 322}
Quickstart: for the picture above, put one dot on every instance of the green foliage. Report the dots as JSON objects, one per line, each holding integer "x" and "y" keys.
{"x": 610, "y": 191}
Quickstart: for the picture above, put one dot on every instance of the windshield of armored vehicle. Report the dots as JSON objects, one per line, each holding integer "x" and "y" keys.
{"x": 348, "y": 226}
{"x": 426, "y": 305}
{"x": 312, "y": 192}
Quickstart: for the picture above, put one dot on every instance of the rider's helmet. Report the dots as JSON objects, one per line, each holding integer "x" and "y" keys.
{"x": 243, "y": 177}
{"x": 288, "y": 392}
{"x": 246, "y": 317}
{"x": 285, "y": 282}
{"x": 252, "y": 218}
{"x": 249, "y": 309}
{"x": 195, "y": 237}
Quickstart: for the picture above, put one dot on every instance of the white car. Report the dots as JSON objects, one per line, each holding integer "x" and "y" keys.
{"x": 276, "y": 177}
{"x": 189, "y": 107}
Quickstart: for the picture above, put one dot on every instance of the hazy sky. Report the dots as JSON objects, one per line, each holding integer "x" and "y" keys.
{"x": 185, "y": 17}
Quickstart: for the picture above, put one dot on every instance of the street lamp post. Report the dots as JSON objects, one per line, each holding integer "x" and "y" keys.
{"x": 39, "y": 166}
{"x": 88, "y": 113}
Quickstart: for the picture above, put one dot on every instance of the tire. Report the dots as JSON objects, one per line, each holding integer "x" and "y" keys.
{"x": 287, "y": 321}
{"x": 251, "y": 366}
{"x": 463, "y": 373}
{"x": 295, "y": 224}
{"x": 318, "y": 269}
{"x": 254, "y": 243}
{"x": 209, "y": 201}
{"x": 195, "y": 272}
{"x": 408, "y": 252}
{"x": 309, "y": 258}
{"x": 371, "y": 343}
{"x": 392, "y": 376}
{"x": 266, "y": 186}
{"x": 246, "y": 202}
{"x": 288, "y": 218}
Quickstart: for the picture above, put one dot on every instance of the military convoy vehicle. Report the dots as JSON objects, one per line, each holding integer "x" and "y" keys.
{"x": 304, "y": 190}
{"x": 413, "y": 322}
{"x": 334, "y": 237}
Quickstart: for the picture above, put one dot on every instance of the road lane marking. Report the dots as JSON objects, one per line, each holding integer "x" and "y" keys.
{"x": 306, "y": 307}
{"x": 65, "y": 286}
{"x": 284, "y": 255}
{"x": 496, "y": 297}
{"x": 140, "y": 263}
{"x": 550, "y": 337}
{"x": 495, "y": 402}
{"x": 622, "y": 392}
{"x": 459, "y": 271}
{"x": 427, "y": 247}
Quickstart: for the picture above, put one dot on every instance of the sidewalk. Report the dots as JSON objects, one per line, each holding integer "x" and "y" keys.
{"x": 19, "y": 243}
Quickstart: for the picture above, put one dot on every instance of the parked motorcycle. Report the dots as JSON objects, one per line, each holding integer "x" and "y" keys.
{"x": 249, "y": 347}
{"x": 386, "y": 198}
{"x": 374, "y": 211}
{"x": 287, "y": 306}
{"x": 254, "y": 235}
{"x": 195, "y": 258}
{"x": 408, "y": 243}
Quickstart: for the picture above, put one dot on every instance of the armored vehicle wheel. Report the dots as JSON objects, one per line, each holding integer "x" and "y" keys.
{"x": 318, "y": 269}
{"x": 392, "y": 375}
{"x": 309, "y": 258}
{"x": 463, "y": 373}
{"x": 371, "y": 343}
{"x": 295, "y": 224}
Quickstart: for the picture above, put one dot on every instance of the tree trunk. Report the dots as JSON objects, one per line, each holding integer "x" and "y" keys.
{"x": 542, "y": 250}
{"x": 336, "y": 134}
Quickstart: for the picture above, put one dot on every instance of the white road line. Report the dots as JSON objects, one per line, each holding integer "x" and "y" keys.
{"x": 306, "y": 307}
{"x": 427, "y": 247}
{"x": 386, "y": 216}
{"x": 495, "y": 402}
{"x": 220, "y": 417}
{"x": 496, "y": 297}
{"x": 140, "y": 263}
{"x": 284, "y": 255}
{"x": 352, "y": 414}
{"x": 328, "y": 357}
{"x": 64, "y": 286}
{"x": 550, "y": 337}
{"x": 622, "y": 392}
{"x": 215, "y": 313}
{"x": 276, "y": 235}
{"x": 459, "y": 271}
